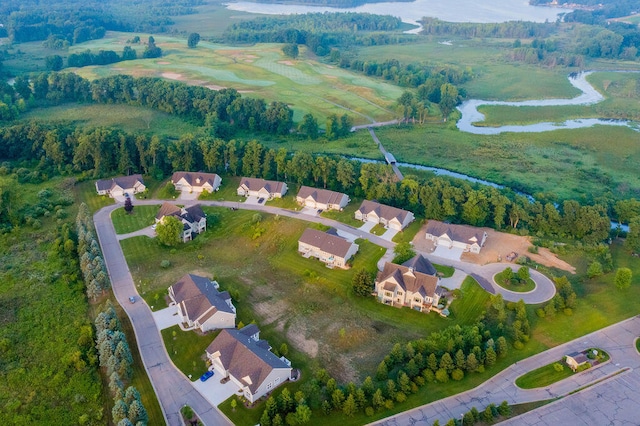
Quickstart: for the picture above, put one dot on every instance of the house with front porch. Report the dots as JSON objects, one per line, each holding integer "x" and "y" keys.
{"x": 193, "y": 219}
{"x": 196, "y": 182}
{"x": 390, "y": 217}
{"x": 261, "y": 188}
{"x": 413, "y": 284}
{"x": 248, "y": 361}
{"x": 321, "y": 198}
{"x": 468, "y": 238}
{"x": 200, "y": 304}
{"x": 327, "y": 247}
{"x": 118, "y": 186}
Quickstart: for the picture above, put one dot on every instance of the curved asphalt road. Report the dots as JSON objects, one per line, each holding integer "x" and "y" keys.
{"x": 172, "y": 388}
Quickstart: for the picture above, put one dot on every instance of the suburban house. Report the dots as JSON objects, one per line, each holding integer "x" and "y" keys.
{"x": 194, "y": 220}
{"x": 248, "y": 361}
{"x": 201, "y": 305}
{"x": 261, "y": 188}
{"x": 321, "y": 198}
{"x": 118, "y": 186}
{"x": 329, "y": 248}
{"x": 412, "y": 284}
{"x": 391, "y": 217}
{"x": 576, "y": 359}
{"x": 467, "y": 238}
{"x": 196, "y": 182}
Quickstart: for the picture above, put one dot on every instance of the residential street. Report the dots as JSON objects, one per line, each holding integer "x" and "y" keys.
{"x": 613, "y": 401}
{"x": 172, "y": 388}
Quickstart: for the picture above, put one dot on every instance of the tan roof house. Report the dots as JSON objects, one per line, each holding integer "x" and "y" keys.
{"x": 248, "y": 361}
{"x": 261, "y": 188}
{"x": 193, "y": 219}
{"x": 331, "y": 249}
{"x": 412, "y": 284}
{"x": 576, "y": 359}
{"x": 391, "y": 217}
{"x": 117, "y": 186}
{"x": 196, "y": 181}
{"x": 201, "y": 305}
{"x": 467, "y": 238}
{"x": 321, "y": 198}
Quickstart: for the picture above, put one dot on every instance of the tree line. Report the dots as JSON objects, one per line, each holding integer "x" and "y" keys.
{"x": 92, "y": 264}
{"x": 512, "y": 29}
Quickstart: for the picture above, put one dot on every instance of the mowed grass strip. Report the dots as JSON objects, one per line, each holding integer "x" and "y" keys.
{"x": 544, "y": 376}
{"x": 140, "y": 217}
{"x": 86, "y": 193}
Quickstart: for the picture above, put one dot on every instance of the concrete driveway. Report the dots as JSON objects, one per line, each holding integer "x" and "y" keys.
{"x": 149, "y": 231}
{"x": 452, "y": 253}
{"x": 251, "y": 200}
{"x": 309, "y": 211}
{"x": 389, "y": 234}
{"x": 167, "y": 317}
{"x": 214, "y": 391}
{"x": 367, "y": 226}
{"x": 188, "y": 196}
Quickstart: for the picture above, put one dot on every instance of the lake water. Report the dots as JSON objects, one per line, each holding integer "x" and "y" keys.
{"x": 452, "y": 10}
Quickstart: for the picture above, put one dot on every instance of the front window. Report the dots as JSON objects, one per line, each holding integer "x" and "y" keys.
{"x": 269, "y": 385}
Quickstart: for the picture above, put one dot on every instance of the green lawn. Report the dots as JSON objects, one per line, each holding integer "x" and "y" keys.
{"x": 379, "y": 229}
{"x": 132, "y": 119}
{"x": 140, "y": 217}
{"x": 444, "y": 270}
{"x": 228, "y": 191}
{"x": 544, "y": 376}
{"x": 638, "y": 344}
{"x": 514, "y": 284}
{"x": 346, "y": 216}
{"x": 408, "y": 234}
{"x": 467, "y": 308}
{"x": 86, "y": 193}
{"x": 187, "y": 349}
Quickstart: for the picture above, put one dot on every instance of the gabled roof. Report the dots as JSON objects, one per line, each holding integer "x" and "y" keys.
{"x": 191, "y": 214}
{"x": 323, "y": 196}
{"x": 407, "y": 278}
{"x": 244, "y": 357}
{"x": 198, "y": 295}
{"x": 122, "y": 181}
{"x": 326, "y": 242}
{"x": 421, "y": 264}
{"x": 254, "y": 184}
{"x": 195, "y": 178}
{"x": 383, "y": 211}
{"x": 168, "y": 209}
{"x": 579, "y": 357}
{"x": 461, "y": 233}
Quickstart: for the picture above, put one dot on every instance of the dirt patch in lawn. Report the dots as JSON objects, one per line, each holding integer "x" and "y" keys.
{"x": 214, "y": 87}
{"x": 172, "y": 76}
{"x": 286, "y": 63}
{"x": 163, "y": 63}
{"x": 498, "y": 246}
{"x": 296, "y": 335}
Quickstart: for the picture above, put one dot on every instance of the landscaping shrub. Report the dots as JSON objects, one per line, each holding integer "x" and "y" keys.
{"x": 165, "y": 264}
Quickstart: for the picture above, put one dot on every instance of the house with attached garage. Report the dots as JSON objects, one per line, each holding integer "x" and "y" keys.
{"x": 390, "y": 217}
{"x": 413, "y": 284}
{"x": 248, "y": 361}
{"x": 321, "y": 198}
{"x": 327, "y": 247}
{"x": 467, "y": 238}
{"x": 196, "y": 182}
{"x": 200, "y": 304}
{"x": 118, "y": 186}
{"x": 261, "y": 188}
{"x": 193, "y": 219}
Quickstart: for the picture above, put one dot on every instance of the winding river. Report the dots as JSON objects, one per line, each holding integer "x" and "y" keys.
{"x": 589, "y": 96}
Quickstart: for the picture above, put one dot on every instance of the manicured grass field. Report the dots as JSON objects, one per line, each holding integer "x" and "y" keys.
{"x": 129, "y": 118}
{"x": 304, "y": 84}
{"x": 140, "y": 217}
{"x": 346, "y": 216}
{"x": 86, "y": 193}
{"x": 544, "y": 376}
{"x": 187, "y": 349}
{"x": 407, "y": 235}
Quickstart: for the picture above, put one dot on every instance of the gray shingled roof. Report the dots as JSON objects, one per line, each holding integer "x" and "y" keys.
{"x": 122, "y": 181}
{"x": 255, "y": 184}
{"x": 199, "y": 294}
{"x": 461, "y": 233}
{"x": 414, "y": 281}
{"x": 326, "y": 242}
{"x": 243, "y": 356}
{"x": 323, "y": 196}
{"x": 421, "y": 264}
{"x": 195, "y": 178}
{"x": 382, "y": 210}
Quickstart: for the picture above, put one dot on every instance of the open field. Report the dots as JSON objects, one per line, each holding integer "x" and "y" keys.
{"x": 261, "y": 71}
{"x": 128, "y": 118}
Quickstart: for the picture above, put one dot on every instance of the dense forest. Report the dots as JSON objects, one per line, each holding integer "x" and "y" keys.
{"x": 596, "y": 11}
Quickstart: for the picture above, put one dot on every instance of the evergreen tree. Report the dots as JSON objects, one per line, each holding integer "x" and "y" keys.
{"x": 349, "y": 407}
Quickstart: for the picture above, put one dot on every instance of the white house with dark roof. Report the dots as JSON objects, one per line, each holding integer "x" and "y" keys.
{"x": 261, "y": 188}
{"x": 327, "y": 247}
{"x": 248, "y": 361}
{"x": 193, "y": 219}
{"x": 201, "y": 305}
{"x": 321, "y": 198}
{"x": 118, "y": 186}
{"x": 467, "y": 238}
{"x": 196, "y": 182}
{"x": 413, "y": 284}
{"x": 391, "y": 217}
